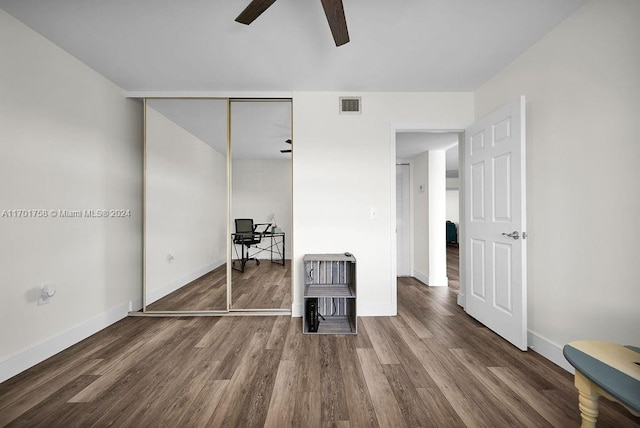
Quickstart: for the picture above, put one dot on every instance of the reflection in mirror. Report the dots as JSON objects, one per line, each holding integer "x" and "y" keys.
{"x": 185, "y": 205}
{"x": 261, "y": 204}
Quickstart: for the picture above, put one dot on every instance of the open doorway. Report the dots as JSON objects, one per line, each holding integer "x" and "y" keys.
{"x": 427, "y": 175}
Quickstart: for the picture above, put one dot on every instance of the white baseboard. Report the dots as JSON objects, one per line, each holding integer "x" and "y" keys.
{"x": 40, "y": 352}
{"x": 380, "y": 310}
{"x": 422, "y": 277}
{"x": 431, "y": 282}
{"x": 461, "y": 300}
{"x": 438, "y": 281}
{"x": 159, "y": 293}
{"x": 135, "y": 305}
{"x": 296, "y": 310}
{"x": 548, "y": 349}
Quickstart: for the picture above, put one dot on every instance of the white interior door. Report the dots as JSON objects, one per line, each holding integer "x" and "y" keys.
{"x": 495, "y": 238}
{"x": 403, "y": 218}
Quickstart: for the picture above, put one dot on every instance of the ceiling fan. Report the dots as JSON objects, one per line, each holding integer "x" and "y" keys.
{"x": 333, "y": 9}
{"x": 286, "y": 150}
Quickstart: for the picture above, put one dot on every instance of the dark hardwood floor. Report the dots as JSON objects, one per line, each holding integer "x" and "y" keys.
{"x": 431, "y": 365}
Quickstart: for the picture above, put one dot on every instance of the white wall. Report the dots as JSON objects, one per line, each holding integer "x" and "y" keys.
{"x": 429, "y": 218}
{"x": 68, "y": 140}
{"x": 261, "y": 188}
{"x": 583, "y": 103}
{"x": 453, "y": 183}
{"x": 453, "y": 206}
{"x": 420, "y": 229}
{"x": 186, "y": 214}
{"x": 343, "y": 166}
{"x": 437, "y": 219}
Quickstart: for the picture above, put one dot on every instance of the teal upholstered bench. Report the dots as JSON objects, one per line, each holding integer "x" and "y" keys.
{"x": 604, "y": 369}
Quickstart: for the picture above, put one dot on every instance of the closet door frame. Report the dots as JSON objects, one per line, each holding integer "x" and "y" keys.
{"x": 144, "y": 96}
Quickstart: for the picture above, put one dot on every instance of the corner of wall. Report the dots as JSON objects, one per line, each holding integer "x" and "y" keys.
{"x": 548, "y": 349}
{"x": 421, "y": 276}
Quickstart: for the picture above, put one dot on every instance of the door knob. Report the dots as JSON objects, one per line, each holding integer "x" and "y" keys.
{"x": 514, "y": 234}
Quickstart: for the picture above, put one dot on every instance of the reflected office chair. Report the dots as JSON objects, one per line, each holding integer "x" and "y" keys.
{"x": 246, "y": 236}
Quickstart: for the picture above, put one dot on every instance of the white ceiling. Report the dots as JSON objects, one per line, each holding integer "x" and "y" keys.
{"x": 195, "y": 45}
{"x": 411, "y": 144}
{"x": 399, "y": 45}
{"x": 203, "y": 118}
{"x": 258, "y": 128}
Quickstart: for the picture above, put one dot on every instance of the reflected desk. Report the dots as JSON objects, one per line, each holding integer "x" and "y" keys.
{"x": 273, "y": 242}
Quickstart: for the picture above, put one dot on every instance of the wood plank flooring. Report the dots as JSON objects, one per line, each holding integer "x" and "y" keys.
{"x": 207, "y": 293}
{"x": 264, "y": 286}
{"x": 453, "y": 266}
{"x": 430, "y": 366}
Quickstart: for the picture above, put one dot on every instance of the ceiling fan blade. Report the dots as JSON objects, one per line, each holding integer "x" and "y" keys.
{"x": 285, "y": 151}
{"x": 253, "y": 10}
{"x": 337, "y": 21}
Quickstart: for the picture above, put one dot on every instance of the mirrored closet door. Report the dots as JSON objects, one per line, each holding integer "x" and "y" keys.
{"x": 261, "y": 204}
{"x": 185, "y": 199}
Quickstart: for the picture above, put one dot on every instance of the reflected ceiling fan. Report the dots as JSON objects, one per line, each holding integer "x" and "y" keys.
{"x": 333, "y": 9}
{"x": 286, "y": 150}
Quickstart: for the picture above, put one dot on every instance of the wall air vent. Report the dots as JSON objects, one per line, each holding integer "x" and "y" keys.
{"x": 350, "y": 105}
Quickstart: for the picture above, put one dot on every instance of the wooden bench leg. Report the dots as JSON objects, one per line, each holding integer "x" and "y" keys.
{"x": 588, "y": 400}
